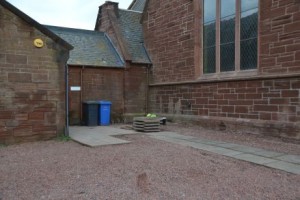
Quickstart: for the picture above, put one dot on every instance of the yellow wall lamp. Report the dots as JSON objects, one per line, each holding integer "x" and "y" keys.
{"x": 38, "y": 43}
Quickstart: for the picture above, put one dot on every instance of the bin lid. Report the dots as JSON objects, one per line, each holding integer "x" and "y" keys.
{"x": 91, "y": 102}
{"x": 104, "y": 102}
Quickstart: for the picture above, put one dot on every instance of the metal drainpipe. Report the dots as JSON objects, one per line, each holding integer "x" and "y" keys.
{"x": 124, "y": 88}
{"x": 81, "y": 91}
{"x": 148, "y": 81}
{"x": 67, "y": 99}
{"x": 147, "y": 90}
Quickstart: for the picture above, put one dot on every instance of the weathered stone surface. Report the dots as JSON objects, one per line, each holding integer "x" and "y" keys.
{"x": 126, "y": 89}
{"x": 267, "y": 104}
{"x": 24, "y": 108}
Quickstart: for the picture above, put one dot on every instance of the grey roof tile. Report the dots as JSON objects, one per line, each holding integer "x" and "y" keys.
{"x": 132, "y": 31}
{"x": 138, "y": 5}
{"x": 91, "y": 48}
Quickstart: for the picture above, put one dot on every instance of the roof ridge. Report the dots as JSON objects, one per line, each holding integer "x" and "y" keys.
{"x": 138, "y": 5}
{"x": 75, "y": 29}
{"x": 135, "y": 11}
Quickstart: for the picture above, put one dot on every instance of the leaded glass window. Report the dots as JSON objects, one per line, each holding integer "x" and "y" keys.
{"x": 230, "y": 29}
{"x": 249, "y": 24}
{"x": 209, "y": 37}
{"x": 227, "y": 35}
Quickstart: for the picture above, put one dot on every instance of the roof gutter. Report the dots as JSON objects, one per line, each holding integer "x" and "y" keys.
{"x": 147, "y": 54}
{"x": 115, "y": 49}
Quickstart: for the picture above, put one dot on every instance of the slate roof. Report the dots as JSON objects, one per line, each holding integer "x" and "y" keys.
{"x": 137, "y": 5}
{"x": 91, "y": 48}
{"x": 132, "y": 31}
{"x": 35, "y": 24}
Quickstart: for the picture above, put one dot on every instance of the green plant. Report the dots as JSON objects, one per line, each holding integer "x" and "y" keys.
{"x": 2, "y": 145}
{"x": 63, "y": 138}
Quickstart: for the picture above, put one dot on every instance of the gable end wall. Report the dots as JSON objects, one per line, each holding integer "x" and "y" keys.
{"x": 32, "y": 86}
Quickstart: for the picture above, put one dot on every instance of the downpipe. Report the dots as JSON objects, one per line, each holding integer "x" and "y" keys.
{"x": 67, "y": 99}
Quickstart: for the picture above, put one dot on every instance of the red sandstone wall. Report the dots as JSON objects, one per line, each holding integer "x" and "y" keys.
{"x": 74, "y": 96}
{"x": 135, "y": 75}
{"x": 276, "y": 99}
{"x": 126, "y": 89}
{"x": 170, "y": 32}
{"x": 169, "y": 38}
{"x": 279, "y": 37}
{"x": 271, "y": 104}
{"x": 135, "y": 89}
{"x": 97, "y": 84}
{"x": 32, "y": 86}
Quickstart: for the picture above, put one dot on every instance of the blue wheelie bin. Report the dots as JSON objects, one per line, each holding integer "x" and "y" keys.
{"x": 104, "y": 113}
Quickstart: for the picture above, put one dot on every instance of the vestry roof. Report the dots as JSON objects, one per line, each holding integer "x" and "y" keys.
{"x": 132, "y": 31}
{"x": 91, "y": 48}
{"x": 137, "y": 5}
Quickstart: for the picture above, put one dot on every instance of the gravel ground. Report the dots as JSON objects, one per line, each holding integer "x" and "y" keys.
{"x": 144, "y": 169}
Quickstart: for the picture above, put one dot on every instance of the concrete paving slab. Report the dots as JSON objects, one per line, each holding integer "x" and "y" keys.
{"x": 289, "y": 158}
{"x": 253, "y": 158}
{"x": 226, "y": 152}
{"x": 285, "y": 166}
{"x": 103, "y": 142}
{"x": 202, "y": 146}
{"x": 103, "y": 130}
{"x": 171, "y": 140}
{"x": 268, "y": 154}
{"x": 171, "y": 136}
{"x": 181, "y": 142}
{"x": 183, "y": 137}
{"x": 98, "y": 141}
{"x": 197, "y": 145}
{"x": 214, "y": 149}
{"x": 98, "y": 136}
{"x": 163, "y": 133}
{"x": 229, "y": 145}
{"x": 244, "y": 149}
{"x": 205, "y": 141}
